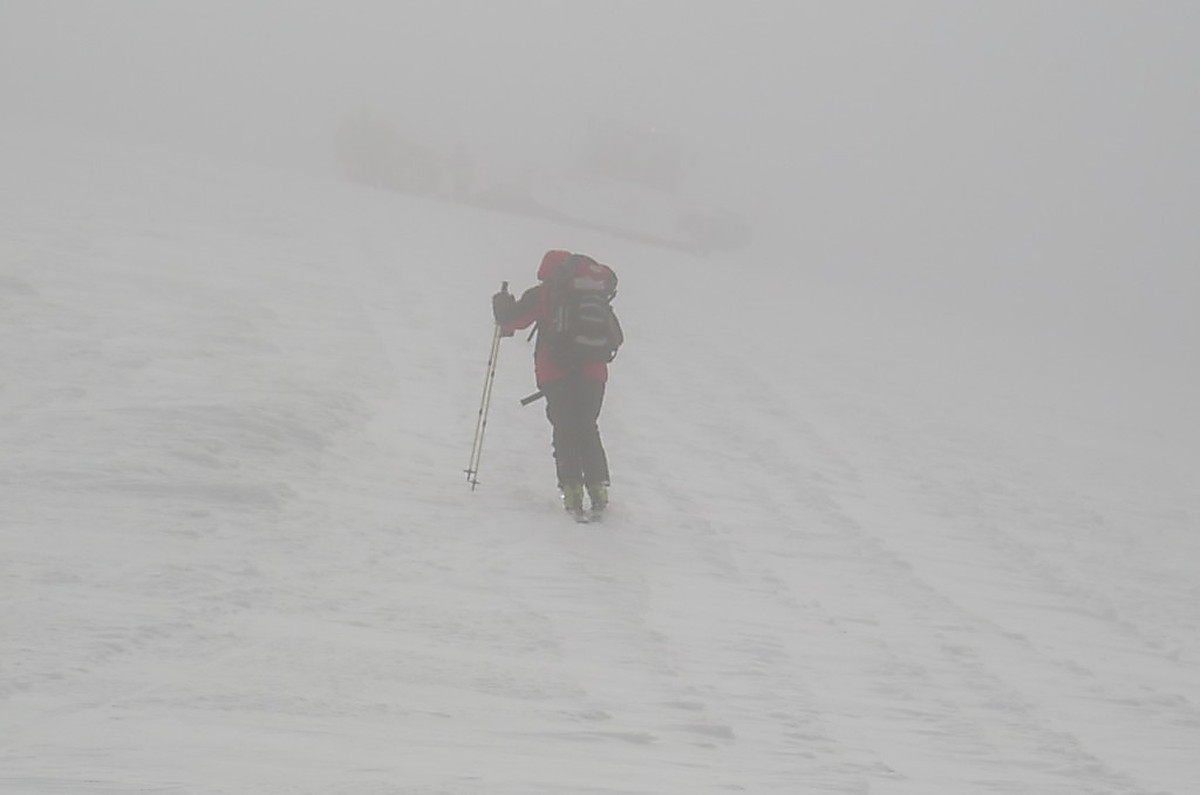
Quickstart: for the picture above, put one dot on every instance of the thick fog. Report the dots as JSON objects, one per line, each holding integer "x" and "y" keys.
{"x": 1033, "y": 160}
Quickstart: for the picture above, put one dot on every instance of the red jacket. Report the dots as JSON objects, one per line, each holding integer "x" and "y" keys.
{"x": 532, "y": 307}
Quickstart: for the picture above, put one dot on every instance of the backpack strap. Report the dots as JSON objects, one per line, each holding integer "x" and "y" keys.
{"x": 543, "y": 303}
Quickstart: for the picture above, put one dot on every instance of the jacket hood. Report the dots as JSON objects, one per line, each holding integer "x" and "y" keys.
{"x": 551, "y": 260}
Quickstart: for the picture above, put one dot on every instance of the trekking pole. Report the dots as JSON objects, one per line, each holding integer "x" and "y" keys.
{"x": 485, "y": 402}
{"x": 538, "y": 395}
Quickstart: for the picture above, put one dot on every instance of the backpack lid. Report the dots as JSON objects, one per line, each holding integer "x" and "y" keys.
{"x": 581, "y": 272}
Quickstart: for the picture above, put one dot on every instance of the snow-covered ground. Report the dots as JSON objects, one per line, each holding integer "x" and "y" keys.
{"x": 857, "y": 545}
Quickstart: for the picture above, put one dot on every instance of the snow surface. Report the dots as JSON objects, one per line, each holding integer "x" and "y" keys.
{"x": 856, "y": 546}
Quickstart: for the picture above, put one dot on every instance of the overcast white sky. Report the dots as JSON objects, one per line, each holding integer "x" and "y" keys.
{"x": 1030, "y": 142}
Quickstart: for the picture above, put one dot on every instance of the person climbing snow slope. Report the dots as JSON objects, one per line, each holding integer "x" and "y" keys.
{"x": 578, "y": 335}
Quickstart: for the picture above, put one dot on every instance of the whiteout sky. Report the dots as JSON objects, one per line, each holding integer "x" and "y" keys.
{"x": 1036, "y": 160}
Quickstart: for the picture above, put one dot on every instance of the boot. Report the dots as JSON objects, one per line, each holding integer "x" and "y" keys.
{"x": 598, "y": 494}
{"x": 572, "y": 497}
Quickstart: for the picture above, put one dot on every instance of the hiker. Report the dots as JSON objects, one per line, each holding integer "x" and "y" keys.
{"x": 570, "y": 364}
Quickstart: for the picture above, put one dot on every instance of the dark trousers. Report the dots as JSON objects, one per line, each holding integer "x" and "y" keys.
{"x": 573, "y": 407}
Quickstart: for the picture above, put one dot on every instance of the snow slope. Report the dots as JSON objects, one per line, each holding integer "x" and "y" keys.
{"x": 853, "y": 549}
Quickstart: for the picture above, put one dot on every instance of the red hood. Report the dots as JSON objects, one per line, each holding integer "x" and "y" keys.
{"x": 550, "y": 261}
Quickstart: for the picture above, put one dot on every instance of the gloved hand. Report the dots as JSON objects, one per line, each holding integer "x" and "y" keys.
{"x": 503, "y": 304}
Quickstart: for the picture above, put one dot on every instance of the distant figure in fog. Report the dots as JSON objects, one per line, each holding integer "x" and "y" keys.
{"x": 578, "y": 334}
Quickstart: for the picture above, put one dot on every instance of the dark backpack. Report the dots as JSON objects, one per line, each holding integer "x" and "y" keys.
{"x": 581, "y": 327}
